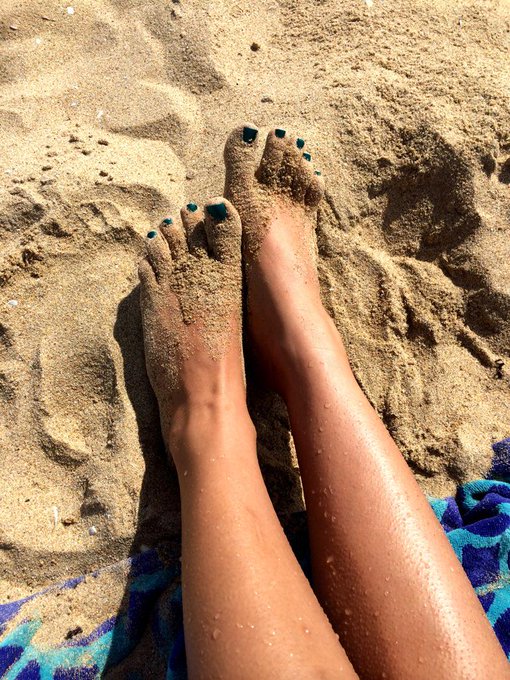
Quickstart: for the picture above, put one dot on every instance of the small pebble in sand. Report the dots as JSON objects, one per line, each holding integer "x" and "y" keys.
{"x": 73, "y": 631}
{"x": 13, "y": 27}
{"x": 86, "y": 152}
{"x": 74, "y": 138}
{"x": 12, "y": 303}
{"x": 499, "y": 368}
{"x": 103, "y": 142}
{"x": 67, "y": 521}
{"x": 266, "y": 99}
{"x": 70, "y": 11}
{"x": 190, "y": 175}
{"x": 103, "y": 173}
{"x": 254, "y": 47}
{"x": 92, "y": 531}
{"x": 47, "y": 167}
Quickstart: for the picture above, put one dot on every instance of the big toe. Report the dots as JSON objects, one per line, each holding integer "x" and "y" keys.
{"x": 240, "y": 161}
{"x": 223, "y": 228}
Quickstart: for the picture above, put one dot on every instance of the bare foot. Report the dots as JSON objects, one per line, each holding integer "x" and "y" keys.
{"x": 277, "y": 200}
{"x": 191, "y": 312}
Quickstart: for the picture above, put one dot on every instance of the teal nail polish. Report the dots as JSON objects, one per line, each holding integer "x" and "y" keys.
{"x": 192, "y": 207}
{"x": 279, "y": 133}
{"x": 168, "y": 220}
{"x": 307, "y": 156}
{"x": 249, "y": 135}
{"x": 218, "y": 211}
{"x": 318, "y": 172}
{"x": 300, "y": 143}
{"x": 152, "y": 234}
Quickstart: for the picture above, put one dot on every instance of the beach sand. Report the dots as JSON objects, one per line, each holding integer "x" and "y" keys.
{"x": 114, "y": 113}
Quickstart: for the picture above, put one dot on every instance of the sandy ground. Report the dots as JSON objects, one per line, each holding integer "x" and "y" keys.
{"x": 115, "y": 114}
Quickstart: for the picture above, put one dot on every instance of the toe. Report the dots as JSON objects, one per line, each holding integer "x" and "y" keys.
{"x": 158, "y": 254}
{"x": 175, "y": 238}
{"x": 295, "y": 172}
{"x": 146, "y": 274}
{"x": 223, "y": 228}
{"x": 270, "y": 164}
{"x": 303, "y": 176}
{"x": 315, "y": 190}
{"x": 240, "y": 160}
{"x": 193, "y": 221}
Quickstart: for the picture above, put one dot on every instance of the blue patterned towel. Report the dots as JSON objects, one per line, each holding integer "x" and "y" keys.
{"x": 142, "y": 637}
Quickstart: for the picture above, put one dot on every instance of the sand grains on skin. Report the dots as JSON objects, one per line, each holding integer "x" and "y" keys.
{"x": 190, "y": 297}
{"x": 412, "y": 235}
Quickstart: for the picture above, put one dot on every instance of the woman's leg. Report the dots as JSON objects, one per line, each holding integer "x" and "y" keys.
{"x": 249, "y": 611}
{"x": 383, "y": 568}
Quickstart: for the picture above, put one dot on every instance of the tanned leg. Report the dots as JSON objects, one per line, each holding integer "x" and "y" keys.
{"x": 383, "y": 568}
{"x": 249, "y": 612}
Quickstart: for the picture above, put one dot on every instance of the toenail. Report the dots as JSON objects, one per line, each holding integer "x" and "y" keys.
{"x": 249, "y": 135}
{"x": 300, "y": 143}
{"x": 307, "y": 156}
{"x": 280, "y": 133}
{"x": 318, "y": 172}
{"x": 217, "y": 211}
{"x": 192, "y": 207}
{"x": 152, "y": 234}
{"x": 168, "y": 220}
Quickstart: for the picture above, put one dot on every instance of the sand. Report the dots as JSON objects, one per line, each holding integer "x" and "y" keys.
{"x": 115, "y": 115}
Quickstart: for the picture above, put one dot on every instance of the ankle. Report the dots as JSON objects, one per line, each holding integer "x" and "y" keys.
{"x": 198, "y": 428}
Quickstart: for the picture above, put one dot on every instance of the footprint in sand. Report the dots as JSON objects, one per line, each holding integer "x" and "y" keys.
{"x": 78, "y": 398}
{"x": 401, "y": 284}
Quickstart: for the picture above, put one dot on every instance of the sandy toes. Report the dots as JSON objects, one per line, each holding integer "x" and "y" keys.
{"x": 191, "y": 305}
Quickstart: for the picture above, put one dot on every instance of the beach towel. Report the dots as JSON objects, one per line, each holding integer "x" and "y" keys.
{"x": 145, "y": 638}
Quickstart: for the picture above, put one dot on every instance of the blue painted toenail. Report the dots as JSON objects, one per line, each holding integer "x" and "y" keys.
{"x": 192, "y": 207}
{"x": 249, "y": 135}
{"x": 152, "y": 234}
{"x": 307, "y": 156}
{"x": 280, "y": 133}
{"x": 168, "y": 220}
{"x": 318, "y": 172}
{"x": 218, "y": 211}
{"x": 300, "y": 143}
